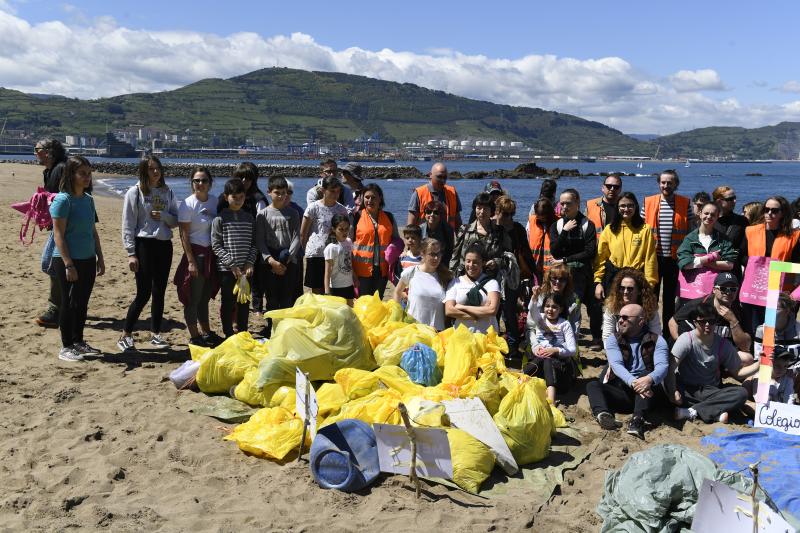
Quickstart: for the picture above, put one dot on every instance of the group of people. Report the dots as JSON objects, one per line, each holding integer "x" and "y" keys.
{"x": 615, "y": 258}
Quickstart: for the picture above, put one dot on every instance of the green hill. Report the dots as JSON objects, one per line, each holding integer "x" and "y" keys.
{"x": 281, "y": 105}
{"x": 781, "y": 141}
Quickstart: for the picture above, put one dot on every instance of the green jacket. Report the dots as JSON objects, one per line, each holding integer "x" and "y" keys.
{"x": 691, "y": 247}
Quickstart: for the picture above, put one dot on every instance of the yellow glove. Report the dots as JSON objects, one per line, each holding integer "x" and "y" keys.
{"x": 242, "y": 290}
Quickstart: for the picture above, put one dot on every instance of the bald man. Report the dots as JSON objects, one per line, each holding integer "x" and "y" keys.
{"x": 638, "y": 361}
{"x": 436, "y": 189}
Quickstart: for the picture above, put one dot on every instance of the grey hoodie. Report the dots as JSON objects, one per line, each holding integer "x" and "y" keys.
{"x": 136, "y": 219}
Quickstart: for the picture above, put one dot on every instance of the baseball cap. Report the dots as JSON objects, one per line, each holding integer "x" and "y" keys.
{"x": 354, "y": 169}
{"x": 725, "y": 278}
{"x": 493, "y": 186}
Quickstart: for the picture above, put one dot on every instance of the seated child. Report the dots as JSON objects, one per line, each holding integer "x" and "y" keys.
{"x": 553, "y": 347}
{"x": 781, "y": 387}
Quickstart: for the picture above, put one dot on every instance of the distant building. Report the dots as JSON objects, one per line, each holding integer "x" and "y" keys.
{"x": 117, "y": 148}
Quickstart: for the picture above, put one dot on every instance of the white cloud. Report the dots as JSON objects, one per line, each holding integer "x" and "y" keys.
{"x": 792, "y": 86}
{"x": 696, "y": 80}
{"x": 101, "y": 58}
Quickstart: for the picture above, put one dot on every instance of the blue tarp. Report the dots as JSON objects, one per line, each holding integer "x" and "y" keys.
{"x": 779, "y": 470}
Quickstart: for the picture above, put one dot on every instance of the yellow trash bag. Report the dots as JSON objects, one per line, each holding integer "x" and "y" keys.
{"x": 559, "y": 420}
{"x": 434, "y": 394}
{"x": 426, "y": 413}
{"x": 370, "y": 311}
{"x": 396, "y": 379}
{"x": 525, "y": 422}
{"x": 378, "y": 334}
{"x": 247, "y": 392}
{"x": 271, "y": 433}
{"x": 460, "y": 358}
{"x": 487, "y": 388}
{"x": 227, "y": 364}
{"x": 390, "y": 351}
{"x": 379, "y": 407}
{"x": 319, "y": 335}
{"x": 440, "y": 345}
{"x": 473, "y": 461}
{"x": 356, "y": 383}
{"x": 492, "y": 348}
{"x": 197, "y": 352}
{"x": 396, "y": 313}
{"x": 330, "y": 398}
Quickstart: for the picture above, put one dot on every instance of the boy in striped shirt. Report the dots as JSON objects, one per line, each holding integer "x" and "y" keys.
{"x": 233, "y": 243}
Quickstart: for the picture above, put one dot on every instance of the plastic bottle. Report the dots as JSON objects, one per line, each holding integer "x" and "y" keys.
{"x": 344, "y": 456}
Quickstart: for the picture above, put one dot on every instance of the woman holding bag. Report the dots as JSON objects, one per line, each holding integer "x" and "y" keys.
{"x": 703, "y": 253}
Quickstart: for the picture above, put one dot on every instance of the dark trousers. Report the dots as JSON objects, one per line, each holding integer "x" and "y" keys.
{"x": 752, "y": 317}
{"x": 229, "y": 305}
{"x": 583, "y": 285}
{"x": 668, "y": 278}
{"x": 616, "y": 397}
{"x": 155, "y": 260}
{"x": 54, "y": 300}
{"x": 258, "y": 287}
{"x": 74, "y": 298}
{"x": 510, "y": 320}
{"x": 710, "y": 401}
{"x": 279, "y": 290}
{"x": 372, "y": 284}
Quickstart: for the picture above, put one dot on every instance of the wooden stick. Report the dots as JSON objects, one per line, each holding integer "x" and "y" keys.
{"x": 412, "y": 436}
{"x": 306, "y": 421}
{"x": 754, "y": 472}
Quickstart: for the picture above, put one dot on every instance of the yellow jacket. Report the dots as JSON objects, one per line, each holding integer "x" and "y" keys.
{"x": 627, "y": 248}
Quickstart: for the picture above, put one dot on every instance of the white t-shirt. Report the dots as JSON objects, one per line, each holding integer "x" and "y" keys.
{"x": 200, "y": 214}
{"x": 457, "y": 291}
{"x": 342, "y": 269}
{"x": 425, "y": 297}
{"x": 320, "y": 216}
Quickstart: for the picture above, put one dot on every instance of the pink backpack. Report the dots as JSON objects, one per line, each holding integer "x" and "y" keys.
{"x": 36, "y": 209}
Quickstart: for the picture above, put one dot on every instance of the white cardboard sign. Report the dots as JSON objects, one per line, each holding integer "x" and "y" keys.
{"x": 721, "y": 508}
{"x": 778, "y": 416}
{"x": 433, "y": 451}
{"x": 470, "y": 415}
{"x": 300, "y": 401}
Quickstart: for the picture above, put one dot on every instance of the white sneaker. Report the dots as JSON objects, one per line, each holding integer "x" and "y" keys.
{"x": 125, "y": 344}
{"x": 158, "y": 340}
{"x": 68, "y": 353}
{"x": 83, "y": 348}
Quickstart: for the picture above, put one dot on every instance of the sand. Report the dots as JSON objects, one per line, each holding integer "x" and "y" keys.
{"x": 109, "y": 442}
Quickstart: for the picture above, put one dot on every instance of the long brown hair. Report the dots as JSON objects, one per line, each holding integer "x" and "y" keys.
{"x": 647, "y": 298}
{"x": 144, "y": 178}
{"x": 67, "y": 183}
{"x": 442, "y": 271}
{"x": 785, "y": 227}
{"x": 560, "y": 270}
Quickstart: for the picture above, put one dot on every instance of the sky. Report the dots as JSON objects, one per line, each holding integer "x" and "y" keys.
{"x": 640, "y": 67}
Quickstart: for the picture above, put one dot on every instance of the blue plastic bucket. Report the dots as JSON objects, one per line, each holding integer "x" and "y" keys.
{"x": 344, "y": 456}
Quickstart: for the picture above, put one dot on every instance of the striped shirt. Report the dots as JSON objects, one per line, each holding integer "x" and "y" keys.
{"x": 232, "y": 239}
{"x": 666, "y": 217}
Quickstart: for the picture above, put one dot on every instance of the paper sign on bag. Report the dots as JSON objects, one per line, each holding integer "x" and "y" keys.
{"x": 433, "y": 451}
{"x": 721, "y": 508}
{"x": 470, "y": 415}
{"x": 300, "y": 401}
{"x": 778, "y": 416}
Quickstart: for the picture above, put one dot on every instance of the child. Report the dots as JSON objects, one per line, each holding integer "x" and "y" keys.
{"x": 339, "y": 260}
{"x": 781, "y": 387}
{"x": 316, "y": 228}
{"x": 412, "y": 255}
{"x": 553, "y": 347}
{"x": 278, "y": 241}
{"x": 233, "y": 245}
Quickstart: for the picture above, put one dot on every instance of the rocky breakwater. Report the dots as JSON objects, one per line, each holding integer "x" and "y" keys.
{"x": 523, "y": 171}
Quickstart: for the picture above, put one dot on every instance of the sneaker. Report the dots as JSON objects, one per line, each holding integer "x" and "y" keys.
{"x": 48, "y": 319}
{"x": 158, "y": 340}
{"x": 596, "y": 345}
{"x": 198, "y": 341}
{"x": 68, "y": 353}
{"x": 212, "y": 340}
{"x": 607, "y": 421}
{"x": 84, "y": 349}
{"x": 636, "y": 427}
{"x": 125, "y": 344}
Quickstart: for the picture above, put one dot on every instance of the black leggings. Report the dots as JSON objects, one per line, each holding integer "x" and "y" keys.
{"x": 74, "y": 298}
{"x": 155, "y": 260}
{"x": 229, "y": 305}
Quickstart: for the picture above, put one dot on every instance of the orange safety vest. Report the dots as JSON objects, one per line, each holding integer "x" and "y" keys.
{"x": 364, "y": 244}
{"x": 782, "y": 247}
{"x": 596, "y": 213}
{"x": 539, "y": 242}
{"x": 680, "y": 224}
{"x": 451, "y": 202}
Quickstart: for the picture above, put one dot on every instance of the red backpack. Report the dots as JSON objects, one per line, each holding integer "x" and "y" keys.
{"x": 36, "y": 209}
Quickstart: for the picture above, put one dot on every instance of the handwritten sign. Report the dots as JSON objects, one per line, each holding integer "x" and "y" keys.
{"x": 721, "y": 508}
{"x": 433, "y": 451}
{"x": 778, "y": 416}
{"x": 300, "y": 384}
{"x": 470, "y": 415}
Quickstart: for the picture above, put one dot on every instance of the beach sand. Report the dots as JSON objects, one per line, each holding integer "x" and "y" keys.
{"x": 109, "y": 442}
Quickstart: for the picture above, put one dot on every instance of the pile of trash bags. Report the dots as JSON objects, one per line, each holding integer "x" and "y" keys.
{"x": 364, "y": 362}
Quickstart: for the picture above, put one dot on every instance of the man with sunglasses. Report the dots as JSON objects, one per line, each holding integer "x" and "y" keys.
{"x": 694, "y": 381}
{"x": 601, "y": 210}
{"x": 727, "y": 315}
{"x": 638, "y": 360}
{"x": 730, "y": 223}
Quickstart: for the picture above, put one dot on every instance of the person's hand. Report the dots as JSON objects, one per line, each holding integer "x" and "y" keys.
{"x": 490, "y": 265}
{"x": 570, "y": 225}
{"x": 133, "y": 263}
{"x": 599, "y": 293}
{"x": 248, "y": 271}
{"x": 101, "y": 266}
{"x": 193, "y": 269}
{"x": 642, "y": 384}
{"x": 646, "y": 394}
{"x": 677, "y": 399}
{"x": 725, "y": 311}
{"x": 535, "y": 292}
{"x": 278, "y": 268}
{"x": 72, "y": 273}
{"x": 236, "y": 271}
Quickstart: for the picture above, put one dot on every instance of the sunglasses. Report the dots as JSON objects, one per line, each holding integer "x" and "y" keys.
{"x": 558, "y": 280}
{"x": 626, "y": 206}
{"x": 624, "y": 318}
{"x": 432, "y": 212}
{"x": 705, "y": 321}
{"x": 772, "y": 210}
{"x": 611, "y": 186}
{"x": 626, "y": 289}
{"x": 200, "y": 181}
{"x": 727, "y": 290}
{"x": 729, "y": 198}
